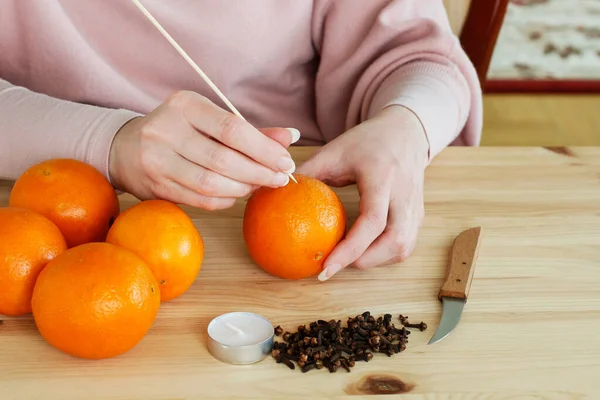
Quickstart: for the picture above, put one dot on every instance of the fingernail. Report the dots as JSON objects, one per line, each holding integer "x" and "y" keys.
{"x": 281, "y": 179}
{"x": 329, "y": 272}
{"x": 291, "y": 170}
{"x": 295, "y": 134}
{"x": 286, "y": 164}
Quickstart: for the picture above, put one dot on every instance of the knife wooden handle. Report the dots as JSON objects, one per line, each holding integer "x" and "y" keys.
{"x": 462, "y": 264}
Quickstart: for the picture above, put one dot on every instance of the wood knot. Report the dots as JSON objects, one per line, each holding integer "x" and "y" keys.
{"x": 380, "y": 384}
{"x": 564, "y": 151}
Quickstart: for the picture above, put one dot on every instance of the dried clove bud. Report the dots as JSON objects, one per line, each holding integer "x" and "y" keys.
{"x": 344, "y": 364}
{"x": 422, "y": 326}
{"x": 281, "y": 358}
{"x": 327, "y": 344}
{"x": 366, "y": 356}
{"x": 308, "y": 367}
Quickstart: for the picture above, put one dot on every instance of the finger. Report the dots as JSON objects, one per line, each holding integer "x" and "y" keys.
{"x": 236, "y": 133}
{"x": 204, "y": 181}
{"x": 372, "y": 220}
{"x": 400, "y": 238}
{"x": 323, "y": 165}
{"x": 176, "y": 193}
{"x": 216, "y": 157}
{"x": 284, "y": 136}
{"x": 394, "y": 245}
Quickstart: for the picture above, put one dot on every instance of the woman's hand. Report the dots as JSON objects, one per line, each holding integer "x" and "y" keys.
{"x": 386, "y": 157}
{"x": 190, "y": 151}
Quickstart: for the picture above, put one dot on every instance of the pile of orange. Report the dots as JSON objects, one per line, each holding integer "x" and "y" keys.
{"x": 92, "y": 277}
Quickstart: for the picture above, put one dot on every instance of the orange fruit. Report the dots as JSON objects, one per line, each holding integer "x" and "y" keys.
{"x": 28, "y": 241}
{"x": 72, "y": 194}
{"x": 164, "y": 236}
{"x": 290, "y": 231}
{"x": 95, "y": 300}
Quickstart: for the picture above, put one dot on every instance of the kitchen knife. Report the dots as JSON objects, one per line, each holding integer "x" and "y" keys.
{"x": 455, "y": 290}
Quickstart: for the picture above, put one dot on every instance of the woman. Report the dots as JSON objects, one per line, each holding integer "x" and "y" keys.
{"x": 383, "y": 84}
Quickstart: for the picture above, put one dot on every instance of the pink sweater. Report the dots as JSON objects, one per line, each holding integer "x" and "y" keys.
{"x": 72, "y": 72}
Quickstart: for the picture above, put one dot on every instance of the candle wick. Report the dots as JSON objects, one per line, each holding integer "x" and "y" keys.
{"x": 234, "y": 328}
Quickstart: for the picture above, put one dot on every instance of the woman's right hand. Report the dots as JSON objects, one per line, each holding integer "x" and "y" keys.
{"x": 190, "y": 151}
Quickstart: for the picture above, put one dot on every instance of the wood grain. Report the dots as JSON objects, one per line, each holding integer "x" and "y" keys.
{"x": 529, "y": 330}
{"x": 463, "y": 258}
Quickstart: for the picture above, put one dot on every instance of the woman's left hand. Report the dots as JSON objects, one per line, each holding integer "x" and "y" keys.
{"x": 386, "y": 157}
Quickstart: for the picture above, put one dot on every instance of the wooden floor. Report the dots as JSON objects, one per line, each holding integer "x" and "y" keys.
{"x": 541, "y": 120}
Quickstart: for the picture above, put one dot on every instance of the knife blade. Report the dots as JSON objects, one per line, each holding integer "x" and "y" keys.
{"x": 455, "y": 290}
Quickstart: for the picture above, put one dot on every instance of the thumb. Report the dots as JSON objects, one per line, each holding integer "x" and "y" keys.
{"x": 284, "y": 136}
{"x": 320, "y": 165}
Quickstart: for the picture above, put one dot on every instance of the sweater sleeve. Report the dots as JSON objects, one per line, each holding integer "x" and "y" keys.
{"x": 35, "y": 127}
{"x": 395, "y": 52}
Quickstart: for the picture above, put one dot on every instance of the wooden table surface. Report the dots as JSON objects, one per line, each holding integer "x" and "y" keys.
{"x": 531, "y": 328}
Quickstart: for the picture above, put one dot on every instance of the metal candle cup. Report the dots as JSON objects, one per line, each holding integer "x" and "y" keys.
{"x": 240, "y": 338}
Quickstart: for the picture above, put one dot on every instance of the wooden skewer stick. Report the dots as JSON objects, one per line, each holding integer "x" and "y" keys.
{"x": 177, "y": 47}
{"x": 191, "y": 62}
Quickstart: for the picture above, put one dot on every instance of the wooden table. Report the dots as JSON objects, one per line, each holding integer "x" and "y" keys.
{"x": 531, "y": 328}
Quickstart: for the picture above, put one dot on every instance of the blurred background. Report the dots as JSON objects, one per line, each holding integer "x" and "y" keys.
{"x": 539, "y": 63}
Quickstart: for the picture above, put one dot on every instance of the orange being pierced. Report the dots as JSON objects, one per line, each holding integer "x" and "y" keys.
{"x": 95, "y": 301}
{"x": 28, "y": 241}
{"x": 72, "y": 194}
{"x": 290, "y": 231}
{"x": 163, "y": 235}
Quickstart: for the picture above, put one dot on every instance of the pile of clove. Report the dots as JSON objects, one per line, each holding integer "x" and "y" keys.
{"x": 329, "y": 345}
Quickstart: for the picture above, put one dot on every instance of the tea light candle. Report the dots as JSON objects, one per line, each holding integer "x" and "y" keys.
{"x": 240, "y": 337}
